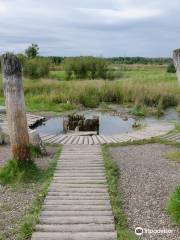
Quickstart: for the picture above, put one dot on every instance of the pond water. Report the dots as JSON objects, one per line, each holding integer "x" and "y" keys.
{"x": 109, "y": 123}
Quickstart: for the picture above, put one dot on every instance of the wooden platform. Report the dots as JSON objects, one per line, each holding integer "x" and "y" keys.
{"x": 77, "y": 206}
{"x": 153, "y": 130}
{"x": 31, "y": 119}
{"x": 172, "y": 137}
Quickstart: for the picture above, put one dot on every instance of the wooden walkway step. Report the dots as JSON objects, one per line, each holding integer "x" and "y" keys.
{"x": 77, "y": 206}
{"x": 172, "y": 137}
{"x": 31, "y": 120}
{"x": 153, "y": 130}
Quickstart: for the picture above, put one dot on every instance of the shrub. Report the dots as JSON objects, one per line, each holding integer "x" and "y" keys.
{"x": 113, "y": 74}
{"x": 36, "y": 68}
{"x": 139, "y": 111}
{"x": 12, "y": 172}
{"x": 90, "y": 97}
{"x": 171, "y": 68}
{"x": 169, "y": 101}
{"x": 85, "y": 67}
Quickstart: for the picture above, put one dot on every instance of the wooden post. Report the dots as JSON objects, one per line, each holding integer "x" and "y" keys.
{"x": 176, "y": 59}
{"x": 15, "y": 107}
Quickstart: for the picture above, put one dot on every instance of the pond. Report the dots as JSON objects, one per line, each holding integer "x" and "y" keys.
{"x": 109, "y": 122}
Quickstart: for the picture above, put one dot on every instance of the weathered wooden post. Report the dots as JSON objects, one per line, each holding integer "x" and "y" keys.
{"x": 15, "y": 107}
{"x": 176, "y": 59}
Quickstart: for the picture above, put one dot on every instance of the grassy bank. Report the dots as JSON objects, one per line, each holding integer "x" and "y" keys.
{"x": 35, "y": 181}
{"x": 145, "y": 88}
{"x": 112, "y": 173}
{"x": 173, "y": 206}
{"x": 31, "y": 217}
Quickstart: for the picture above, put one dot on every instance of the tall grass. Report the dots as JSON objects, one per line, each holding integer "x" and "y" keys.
{"x": 173, "y": 206}
{"x": 140, "y": 88}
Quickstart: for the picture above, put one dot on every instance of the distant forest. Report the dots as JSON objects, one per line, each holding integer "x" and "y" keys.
{"x": 124, "y": 60}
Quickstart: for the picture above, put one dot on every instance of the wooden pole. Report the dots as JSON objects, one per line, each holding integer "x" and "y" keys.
{"x": 176, "y": 59}
{"x": 15, "y": 107}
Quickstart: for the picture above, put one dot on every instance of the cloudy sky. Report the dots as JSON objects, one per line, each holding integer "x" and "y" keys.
{"x": 91, "y": 27}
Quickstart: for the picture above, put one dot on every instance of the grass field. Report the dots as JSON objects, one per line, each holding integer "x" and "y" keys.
{"x": 59, "y": 75}
{"x": 144, "y": 86}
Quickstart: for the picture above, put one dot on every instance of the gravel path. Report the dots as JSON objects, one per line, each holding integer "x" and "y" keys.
{"x": 15, "y": 201}
{"x": 146, "y": 180}
{"x": 5, "y": 154}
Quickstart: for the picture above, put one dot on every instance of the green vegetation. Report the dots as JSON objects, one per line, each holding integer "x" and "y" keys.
{"x": 174, "y": 156}
{"x": 32, "y": 215}
{"x": 59, "y": 75}
{"x": 14, "y": 173}
{"x": 139, "y": 111}
{"x": 144, "y": 88}
{"x": 35, "y": 68}
{"x": 85, "y": 68}
{"x": 112, "y": 173}
{"x": 32, "y": 51}
{"x": 173, "y": 206}
{"x": 171, "y": 68}
{"x": 177, "y": 128}
{"x": 21, "y": 178}
{"x": 139, "y": 60}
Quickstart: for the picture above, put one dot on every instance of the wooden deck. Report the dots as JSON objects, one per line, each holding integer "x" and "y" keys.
{"x": 153, "y": 130}
{"x": 172, "y": 137}
{"x": 31, "y": 119}
{"x": 77, "y": 206}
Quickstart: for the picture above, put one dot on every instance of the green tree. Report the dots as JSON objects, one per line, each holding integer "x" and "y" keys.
{"x": 32, "y": 51}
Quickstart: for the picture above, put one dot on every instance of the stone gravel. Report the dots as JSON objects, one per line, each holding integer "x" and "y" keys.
{"x": 14, "y": 202}
{"x": 147, "y": 178}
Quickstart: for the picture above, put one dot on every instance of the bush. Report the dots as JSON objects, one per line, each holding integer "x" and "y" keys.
{"x": 85, "y": 67}
{"x": 90, "y": 98}
{"x": 139, "y": 111}
{"x": 36, "y": 68}
{"x": 171, "y": 68}
{"x": 12, "y": 172}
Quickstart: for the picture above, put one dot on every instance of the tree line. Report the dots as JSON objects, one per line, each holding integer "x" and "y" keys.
{"x": 35, "y": 66}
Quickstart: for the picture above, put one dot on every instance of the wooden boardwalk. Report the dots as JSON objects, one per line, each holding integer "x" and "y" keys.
{"x": 31, "y": 120}
{"x": 153, "y": 130}
{"x": 77, "y": 206}
{"x": 172, "y": 137}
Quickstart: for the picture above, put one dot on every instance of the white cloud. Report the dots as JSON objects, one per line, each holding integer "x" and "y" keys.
{"x": 98, "y": 27}
{"x": 3, "y": 8}
{"x": 115, "y": 16}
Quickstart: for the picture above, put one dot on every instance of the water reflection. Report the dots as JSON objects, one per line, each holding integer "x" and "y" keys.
{"x": 109, "y": 124}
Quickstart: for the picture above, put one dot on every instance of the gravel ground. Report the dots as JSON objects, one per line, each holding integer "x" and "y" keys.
{"x": 146, "y": 181}
{"x": 5, "y": 154}
{"x": 14, "y": 202}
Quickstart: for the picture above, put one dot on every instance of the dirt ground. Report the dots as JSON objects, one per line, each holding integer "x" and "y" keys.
{"x": 146, "y": 180}
{"x": 14, "y": 202}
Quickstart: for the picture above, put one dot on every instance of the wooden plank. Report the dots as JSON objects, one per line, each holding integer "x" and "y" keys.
{"x": 106, "y": 139}
{"x": 81, "y": 140}
{"x": 48, "y": 137}
{"x": 86, "y": 140}
{"x": 70, "y": 140}
{"x": 76, "y": 140}
{"x": 101, "y": 140}
{"x": 95, "y": 139}
{"x": 60, "y": 139}
{"x": 90, "y": 140}
{"x": 65, "y": 140}
{"x": 56, "y": 139}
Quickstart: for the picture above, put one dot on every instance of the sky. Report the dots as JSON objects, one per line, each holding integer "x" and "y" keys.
{"x": 149, "y": 28}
